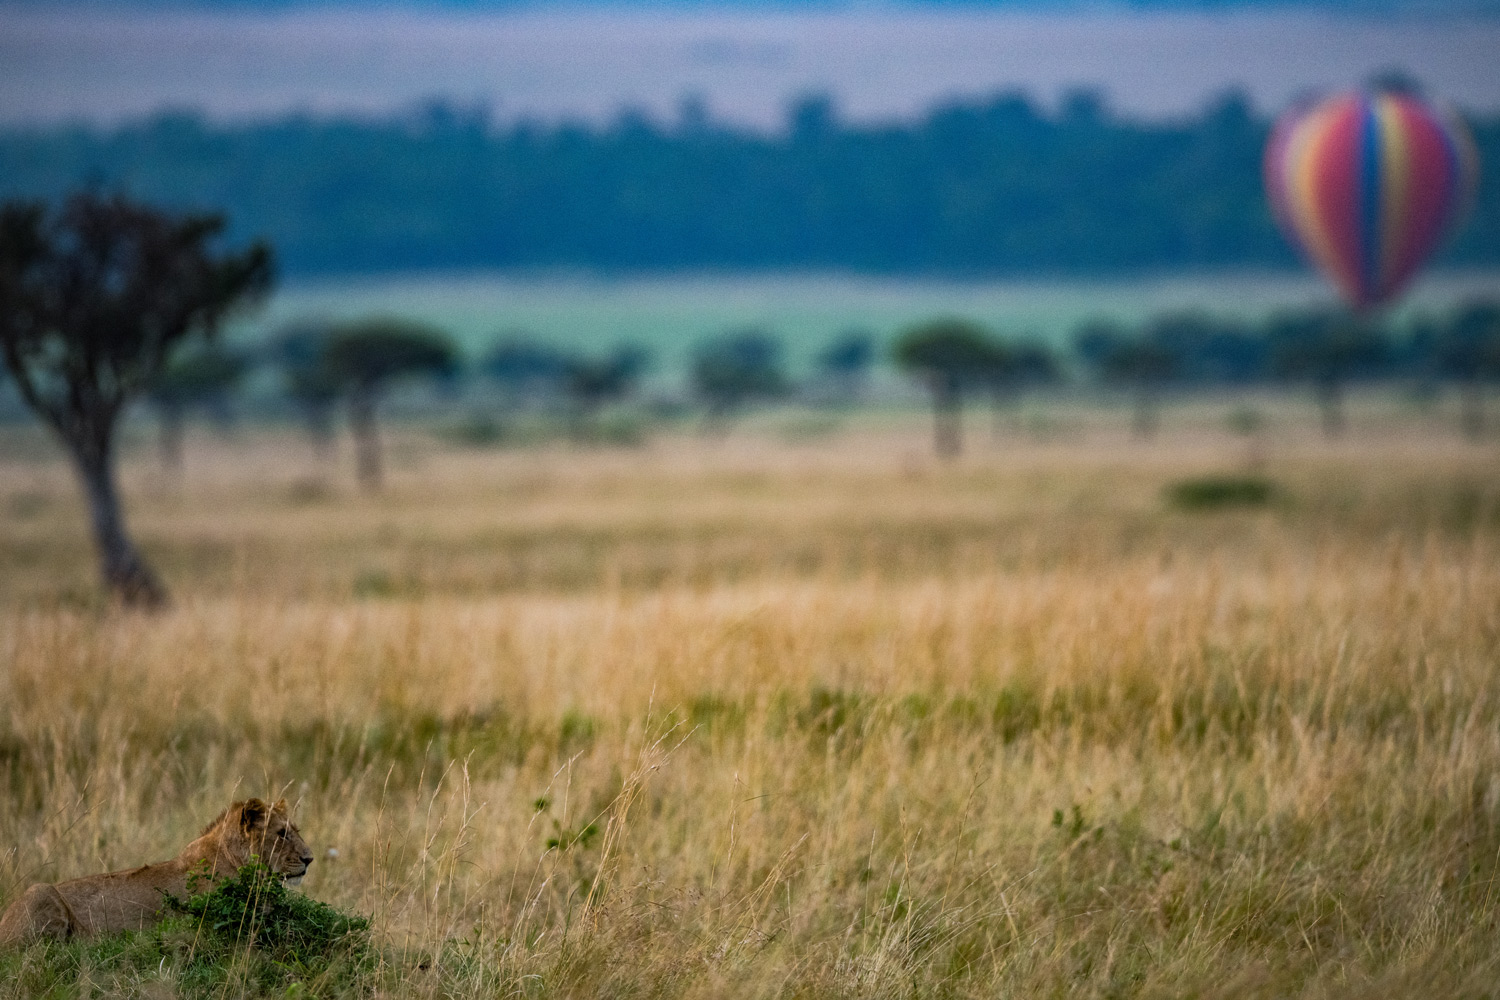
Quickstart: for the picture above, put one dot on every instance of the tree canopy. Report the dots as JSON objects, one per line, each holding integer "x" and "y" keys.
{"x": 363, "y": 358}
{"x": 738, "y": 368}
{"x": 951, "y": 356}
{"x": 372, "y": 353}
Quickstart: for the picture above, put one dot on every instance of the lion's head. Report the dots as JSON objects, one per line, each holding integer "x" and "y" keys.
{"x": 254, "y": 828}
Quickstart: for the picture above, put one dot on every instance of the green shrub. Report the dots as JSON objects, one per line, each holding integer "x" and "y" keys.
{"x": 256, "y": 910}
{"x": 1214, "y": 492}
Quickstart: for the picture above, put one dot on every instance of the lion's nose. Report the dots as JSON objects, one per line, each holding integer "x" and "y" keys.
{"x": 306, "y": 860}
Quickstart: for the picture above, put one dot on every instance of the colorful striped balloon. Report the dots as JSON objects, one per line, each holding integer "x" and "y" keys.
{"x": 1367, "y": 185}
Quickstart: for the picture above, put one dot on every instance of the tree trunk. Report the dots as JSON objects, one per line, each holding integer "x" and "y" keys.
{"x": 126, "y": 574}
{"x": 948, "y": 419}
{"x": 1331, "y": 402}
{"x": 1471, "y": 415}
{"x": 366, "y": 438}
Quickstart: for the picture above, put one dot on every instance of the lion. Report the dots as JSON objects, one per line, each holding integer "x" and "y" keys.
{"x": 135, "y": 899}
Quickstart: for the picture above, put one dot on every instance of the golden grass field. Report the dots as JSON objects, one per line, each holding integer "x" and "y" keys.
{"x": 750, "y": 718}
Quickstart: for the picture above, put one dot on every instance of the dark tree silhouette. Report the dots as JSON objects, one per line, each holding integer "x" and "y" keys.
{"x": 1468, "y": 352}
{"x": 1329, "y": 348}
{"x": 301, "y": 352}
{"x": 733, "y": 371}
{"x": 93, "y": 300}
{"x": 365, "y": 358}
{"x": 844, "y": 366}
{"x": 1210, "y": 350}
{"x": 524, "y": 369}
{"x": 590, "y": 383}
{"x": 1135, "y": 360}
{"x": 204, "y": 379}
{"x": 1013, "y": 367}
{"x": 1146, "y": 365}
{"x": 949, "y": 356}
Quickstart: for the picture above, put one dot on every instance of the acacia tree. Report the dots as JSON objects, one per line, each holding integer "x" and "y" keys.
{"x": 949, "y": 356}
{"x": 1140, "y": 361}
{"x": 526, "y": 371}
{"x": 733, "y": 371}
{"x": 93, "y": 299}
{"x": 1328, "y": 348}
{"x": 301, "y": 352}
{"x": 365, "y": 358}
{"x": 205, "y": 378}
{"x": 590, "y": 383}
{"x": 1469, "y": 353}
{"x": 1145, "y": 364}
{"x": 1012, "y": 367}
{"x": 844, "y": 366}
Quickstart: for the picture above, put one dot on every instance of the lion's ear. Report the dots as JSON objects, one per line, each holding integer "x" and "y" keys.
{"x": 253, "y": 816}
{"x": 279, "y": 807}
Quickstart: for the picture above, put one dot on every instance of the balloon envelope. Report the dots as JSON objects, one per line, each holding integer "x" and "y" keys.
{"x": 1367, "y": 185}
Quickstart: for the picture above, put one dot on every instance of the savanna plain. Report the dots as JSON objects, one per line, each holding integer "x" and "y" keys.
{"x": 793, "y": 715}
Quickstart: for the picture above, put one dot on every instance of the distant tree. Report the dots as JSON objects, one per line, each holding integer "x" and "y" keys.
{"x": 1328, "y": 348}
{"x": 1013, "y": 366}
{"x": 1135, "y": 360}
{"x": 1085, "y": 107}
{"x": 300, "y": 351}
{"x": 844, "y": 366}
{"x": 366, "y": 358}
{"x": 591, "y": 383}
{"x": 1468, "y": 352}
{"x": 1036, "y": 363}
{"x": 1416, "y": 355}
{"x": 1094, "y": 339}
{"x": 950, "y": 356}
{"x": 314, "y": 391}
{"x": 694, "y": 117}
{"x": 525, "y": 369}
{"x": 94, "y": 299}
{"x": 206, "y": 378}
{"x": 733, "y": 371}
{"x": 1210, "y": 350}
{"x": 1146, "y": 365}
{"x": 813, "y": 118}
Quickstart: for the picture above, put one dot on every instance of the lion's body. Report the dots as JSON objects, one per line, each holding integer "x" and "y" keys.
{"x": 137, "y": 898}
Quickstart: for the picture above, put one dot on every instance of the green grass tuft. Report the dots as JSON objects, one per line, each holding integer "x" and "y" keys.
{"x": 1216, "y": 492}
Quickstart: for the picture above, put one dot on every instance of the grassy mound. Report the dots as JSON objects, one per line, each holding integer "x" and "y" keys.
{"x": 246, "y": 936}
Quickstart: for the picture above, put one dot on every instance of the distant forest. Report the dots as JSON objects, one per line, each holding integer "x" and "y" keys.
{"x": 993, "y": 187}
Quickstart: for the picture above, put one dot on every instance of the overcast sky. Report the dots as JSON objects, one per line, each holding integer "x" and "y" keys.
{"x": 880, "y": 62}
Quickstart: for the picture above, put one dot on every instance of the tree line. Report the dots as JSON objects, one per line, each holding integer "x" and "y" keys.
{"x": 995, "y": 186}
{"x": 1324, "y": 349}
{"x": 322, "y": 366}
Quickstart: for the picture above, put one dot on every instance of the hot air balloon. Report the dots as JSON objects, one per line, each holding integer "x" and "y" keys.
{"x": 1367, "y": 184}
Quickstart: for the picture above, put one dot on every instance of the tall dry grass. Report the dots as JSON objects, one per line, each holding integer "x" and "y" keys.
{"x": 756, "y": 720}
